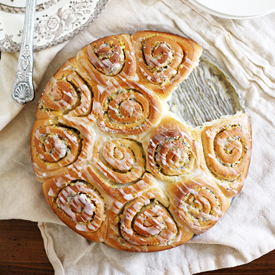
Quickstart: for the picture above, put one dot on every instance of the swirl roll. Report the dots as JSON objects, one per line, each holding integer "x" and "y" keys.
{"x": 145, "y": 224}
{"x": 106, "y": 59}
{"x": 227, "y": 149}
{"x": 79, "y": 205}
{"x": 198, "y": 204}
{"x": 107, "y": 56}
{"x": 65, "y": 93}
{"x": 164, "y": 60}
{"x": 54, "y": 146}
{"x": 115, "y": 164}
{"x": 172, "y": 151}
{"x": 120, "y": 160}
{"x": 128, "y": 109}
{"x": 119, "y": 167}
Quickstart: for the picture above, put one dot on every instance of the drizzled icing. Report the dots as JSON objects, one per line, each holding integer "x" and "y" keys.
{"x": 107, "y": 55}
{"x": 145, "y": 223}
{"x": 163, "y": 60}
{"x": 128, "y": 110}
{"x": 55, "y": 147}
{"x": 227, "y": 150}
{"x": 198, "y": 204}
{"x": 78, "y": 203}
{"x": 116, "y": 166}
{"x": 171, "y": 150}
{"x": 120, "y": 160}
{"x": 66, "y": 93}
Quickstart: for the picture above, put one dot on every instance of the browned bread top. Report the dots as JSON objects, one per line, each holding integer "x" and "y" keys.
{"x": 116, "y": 166}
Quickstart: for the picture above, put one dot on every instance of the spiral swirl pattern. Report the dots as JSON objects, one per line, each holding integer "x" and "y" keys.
{"x": 116, "y": 165}
{"x": 55, "y": 147}
{"x": 147, "y": 222}
{"x": 227, "y": 149}
{"x": 198, "y": 205}
{"x": 162, "y": 57}
{"x": 128, "y": 111}
{"x": 107, "y": 60}
{"x": 107, "y": 55}
{"x": 171, "y": 150}
{"x": 82, "y": 205}
{"x": 62, "y": 96}
{"x": 65, "y": 93}
{"x": 163, "y": 60}
{"x": 120, "y": 160}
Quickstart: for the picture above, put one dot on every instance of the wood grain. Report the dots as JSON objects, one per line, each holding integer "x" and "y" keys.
{"x": 22, "y": 252}
{"x": 21, "y": 249}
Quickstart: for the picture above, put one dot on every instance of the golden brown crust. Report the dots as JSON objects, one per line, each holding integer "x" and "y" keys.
{"x": 111, "y": 186}
{"x": 114, "y": 168}
{"x": 227, "y": 147}
{"x": 107, "y": 59}
{"x": 127, "y": 108}
{"x": 65, "y": 93}
{"x": 164, "y": 59}
{"x": 120, "y": 160}
{"x": 79, "y": 205}
{"x": 145, "y": 224}
{"x": 53, "y": 147}
{"x": 172, "y": 150}
{"x": 198, "y": 203}
{"x": 59, "y": 145}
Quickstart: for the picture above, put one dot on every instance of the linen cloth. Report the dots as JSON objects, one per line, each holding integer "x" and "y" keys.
{"x": 245, "y": 50}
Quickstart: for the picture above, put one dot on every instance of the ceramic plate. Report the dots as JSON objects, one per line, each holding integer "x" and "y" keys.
{"x": 56, "y": 21}
{"x": 235, "y": 9}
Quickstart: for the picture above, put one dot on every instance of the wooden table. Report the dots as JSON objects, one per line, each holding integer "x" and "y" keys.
{"x": 22, "y": 252}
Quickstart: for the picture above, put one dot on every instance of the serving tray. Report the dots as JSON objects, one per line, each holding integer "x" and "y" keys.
{"x": 207, "y": 94}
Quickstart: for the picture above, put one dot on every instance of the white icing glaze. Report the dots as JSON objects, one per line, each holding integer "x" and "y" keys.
{"x": 131, "y": 195}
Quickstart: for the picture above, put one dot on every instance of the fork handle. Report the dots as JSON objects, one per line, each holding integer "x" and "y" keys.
{"x": 23, "y": 90}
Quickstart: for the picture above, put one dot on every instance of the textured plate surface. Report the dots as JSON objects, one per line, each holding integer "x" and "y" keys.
{"x": 207, "y": 94}
{"x": 56, "y": 21}
{"x": 236, "y": 9}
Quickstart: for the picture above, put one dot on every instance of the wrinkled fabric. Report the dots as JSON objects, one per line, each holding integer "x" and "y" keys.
{"x": 8, "y": 66}
{"x": 245, "y": 50}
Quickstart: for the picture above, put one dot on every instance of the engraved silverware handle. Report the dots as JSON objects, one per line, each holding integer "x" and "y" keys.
{"x": 23, "y": 90}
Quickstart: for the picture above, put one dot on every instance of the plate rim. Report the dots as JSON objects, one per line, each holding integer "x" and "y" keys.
{"x": 13, "y": 46}
{"x": 228, "y": 15}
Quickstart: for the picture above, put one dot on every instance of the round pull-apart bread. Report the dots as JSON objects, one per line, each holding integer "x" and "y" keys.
{"x": 116, "y": 166}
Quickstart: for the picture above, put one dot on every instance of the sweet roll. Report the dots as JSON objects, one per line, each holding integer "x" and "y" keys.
{"x": 119, "y": 167}
{"x": 79, "y": 205}
{"x": 121, "y": 160}
{"x": 172, "y": 151}
{"x": 127, "y": 108}
{"x": 164, "y": 60}
{"x": 198, "y": 203}
{"x": 66, "y": 93}
{"x": 53, "y": 147}
{"x": 227, "y": 148}
{"x": 107, "y": 59}
{"x": 145, "y": 224}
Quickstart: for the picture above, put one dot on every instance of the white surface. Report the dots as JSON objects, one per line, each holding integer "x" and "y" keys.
{"x": 236, "y": 9}
{"x": 20, "y": 3}
{"x": 56, "y": 21}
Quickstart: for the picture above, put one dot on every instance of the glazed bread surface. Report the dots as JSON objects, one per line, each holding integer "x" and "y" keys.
{"x": 116, "y": 166}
